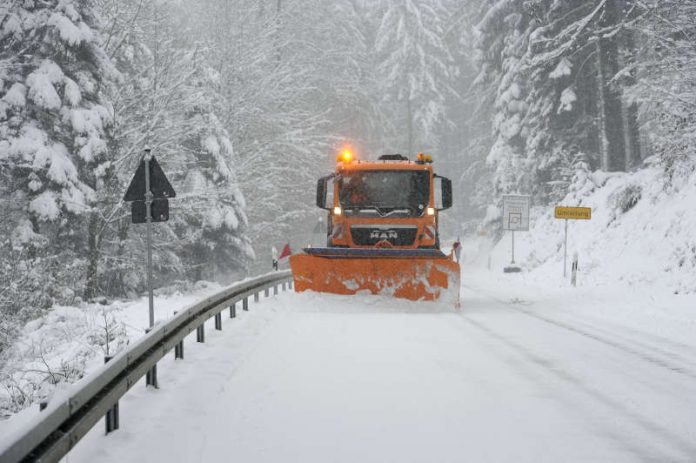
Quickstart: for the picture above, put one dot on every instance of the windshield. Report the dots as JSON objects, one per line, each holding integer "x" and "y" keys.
{"x": 385, "y": 189}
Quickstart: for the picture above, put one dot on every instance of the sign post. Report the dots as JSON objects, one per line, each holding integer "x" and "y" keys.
{"x": 570, "y": 213}
{"x": 515, "y": 218}
{"x": 148, "y": 218}
{"x": 565, "y": 248}
{"x": 149, "y": 193}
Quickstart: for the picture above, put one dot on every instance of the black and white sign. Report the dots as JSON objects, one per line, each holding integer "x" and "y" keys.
{"x": 159, "y": 211}
{"x": 516, "y": 212}
{"x": 159, "y": 184}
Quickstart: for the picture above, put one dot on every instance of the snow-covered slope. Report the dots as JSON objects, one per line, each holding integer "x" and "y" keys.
{"x": 642, "y": 233}
{"x": 66, "y": 343}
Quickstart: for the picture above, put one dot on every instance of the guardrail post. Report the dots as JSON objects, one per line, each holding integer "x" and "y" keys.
{"x": 266, "y": 293}
{"x": 283, "y": 285}
{"x": 151, "y": 375}
{"x": 290, "y": 284}
{"x": 111, "y": 419}
{"x": 179, "y": 350}
{"x": 178, "y": 347}
{"x": 245, "y": 304}
{"x": 275, "y": 290}
{"x": 233, "y": 310}
{"x": 200, "y": 333}
{"x": 218, "y": 321}
{"x": 42, "y": 405}
{"x": 256, "y": 297}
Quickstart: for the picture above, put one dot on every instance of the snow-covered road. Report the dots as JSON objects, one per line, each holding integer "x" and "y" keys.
{"x": 573, "y": 375}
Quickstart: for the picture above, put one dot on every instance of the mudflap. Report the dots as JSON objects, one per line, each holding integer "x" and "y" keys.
{"x": 418, "y": 276}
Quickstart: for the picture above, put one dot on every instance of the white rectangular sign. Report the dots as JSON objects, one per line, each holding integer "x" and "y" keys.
{"x": 516, "y": 212}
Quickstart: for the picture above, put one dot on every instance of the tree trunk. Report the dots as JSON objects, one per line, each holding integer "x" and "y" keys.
{"x": 634, "y": 153}
{"x": 409, "y": 115}
{"x": 122, "y": 235}
{"x": 279, "y": 53}
{"x": 589, "y": 96}
{"x": 614, "y": 158}
{"x": 92, "y": 279}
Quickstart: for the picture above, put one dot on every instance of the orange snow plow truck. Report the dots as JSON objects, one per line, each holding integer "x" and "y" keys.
{"x": 382, "y": 233}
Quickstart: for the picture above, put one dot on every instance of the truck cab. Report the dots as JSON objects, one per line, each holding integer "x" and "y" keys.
{"x": 388, "y": 203}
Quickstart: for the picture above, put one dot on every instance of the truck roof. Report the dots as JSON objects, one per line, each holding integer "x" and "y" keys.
{"x": 383, "y": 165}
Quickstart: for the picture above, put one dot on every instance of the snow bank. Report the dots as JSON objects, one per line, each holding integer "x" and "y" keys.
{"x": 62, "y": 346}
{"x": 641, "y": 234}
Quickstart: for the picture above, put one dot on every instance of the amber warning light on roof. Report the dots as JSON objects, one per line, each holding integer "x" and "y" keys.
{"x": 422, "y": 158}
{"x": 345, "y": 156}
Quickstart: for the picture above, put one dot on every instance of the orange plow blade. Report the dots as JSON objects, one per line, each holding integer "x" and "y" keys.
{"x": 409, "y": 274}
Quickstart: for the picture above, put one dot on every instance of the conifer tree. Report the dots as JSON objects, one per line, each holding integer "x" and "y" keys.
{"x": 54, "y": 127}
{"x": 415, "y": 69}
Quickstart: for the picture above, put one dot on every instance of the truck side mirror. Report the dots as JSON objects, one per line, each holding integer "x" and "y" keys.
{"x": 321, "y": 191}
{"x": 446, "y": 189}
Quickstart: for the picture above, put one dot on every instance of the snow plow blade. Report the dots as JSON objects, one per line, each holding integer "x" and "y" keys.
{"x": 415, "y": 274}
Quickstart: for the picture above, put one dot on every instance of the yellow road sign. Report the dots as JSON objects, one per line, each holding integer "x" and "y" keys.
{"x": 576, "y": 213}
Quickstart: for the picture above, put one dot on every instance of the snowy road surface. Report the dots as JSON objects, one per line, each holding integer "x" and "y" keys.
{"x": 572, "y": 376}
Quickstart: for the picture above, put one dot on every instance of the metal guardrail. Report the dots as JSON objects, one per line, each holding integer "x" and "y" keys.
{"x": 57, "y": 429}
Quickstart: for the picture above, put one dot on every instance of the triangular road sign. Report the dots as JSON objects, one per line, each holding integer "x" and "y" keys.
{"x": 159, "y": 185}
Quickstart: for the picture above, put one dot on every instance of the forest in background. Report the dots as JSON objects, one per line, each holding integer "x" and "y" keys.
{"x": 245, "y": 102}
{"x": 575, "y": 86}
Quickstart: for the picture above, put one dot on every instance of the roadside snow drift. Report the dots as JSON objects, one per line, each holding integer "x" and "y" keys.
{"x": 641, "y": 234}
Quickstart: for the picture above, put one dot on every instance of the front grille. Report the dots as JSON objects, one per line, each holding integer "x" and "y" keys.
{"x": 397, "y": 236}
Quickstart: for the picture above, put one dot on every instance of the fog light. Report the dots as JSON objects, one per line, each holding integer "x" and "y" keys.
{"x": 337, "y": 210}
{"x": 431, "y": 211}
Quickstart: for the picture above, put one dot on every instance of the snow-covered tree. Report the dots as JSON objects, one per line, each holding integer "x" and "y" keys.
{"x": 500, "y": 77}
{"x": 211, "y": 219}
{"x": 562, "y": 104}
{"x": 559, "y": 71}
{"x": 663, "y": 71}
{"x": 415, "y": 67}
{"x": 170, "y": 101}
{"x": 54, "y": 124}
